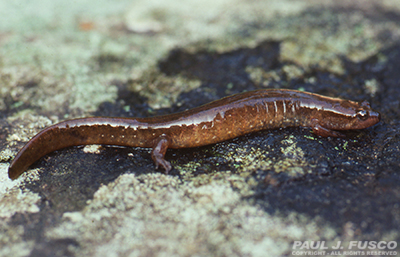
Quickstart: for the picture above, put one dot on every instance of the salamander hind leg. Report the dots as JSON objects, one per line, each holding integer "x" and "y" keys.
{"x": 324, "y": 132}
{"x": 157, "y": 154}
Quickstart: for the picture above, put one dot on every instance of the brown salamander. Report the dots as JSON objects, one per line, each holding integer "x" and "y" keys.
{"x": 211, "y": 123}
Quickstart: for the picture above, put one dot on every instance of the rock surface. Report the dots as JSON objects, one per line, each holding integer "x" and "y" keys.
{"x": 251, "y": 196}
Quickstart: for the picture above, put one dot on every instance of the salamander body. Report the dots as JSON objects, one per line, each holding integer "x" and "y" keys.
{"x": 211, "y": 123}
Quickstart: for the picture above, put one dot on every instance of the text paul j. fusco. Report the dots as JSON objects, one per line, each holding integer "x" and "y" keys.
{"x": 352, "y": 245}
{"x": 372, "y": 248}
{"x": 359, "y": 245}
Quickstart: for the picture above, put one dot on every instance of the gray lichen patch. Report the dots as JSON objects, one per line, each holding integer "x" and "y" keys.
{"x": 6, "y": 154}
{"x": 12, "y": 242}
{"x": 290, "y": 160}
{"x": 251, "y": 159}
{"x": 207, "y": 19}
{"x": 188, "y": 169}
{"x": 162, "y": 90}
{"x": 30, "y": 125}
{"x": 16, "y": 200}
{"x": 267, "y": 78}
{"x": 331, "y": 36}
{"x": 13, "y": 199}
{"x": 21, "y": 84}
{"x": 294, "y": 164}
{"x": 209, "y": 219}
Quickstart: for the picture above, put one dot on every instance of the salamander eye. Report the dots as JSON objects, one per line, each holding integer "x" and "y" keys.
{"x": 362, "y": 114}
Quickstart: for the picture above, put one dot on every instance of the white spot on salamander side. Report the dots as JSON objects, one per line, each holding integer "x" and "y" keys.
{"x": 284, "y": 107}
{"x": 204, "y": 127}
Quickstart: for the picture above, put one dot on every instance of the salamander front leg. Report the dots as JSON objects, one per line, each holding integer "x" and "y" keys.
{"x": 157, "y": 154}
{"x": 324, "y": 132}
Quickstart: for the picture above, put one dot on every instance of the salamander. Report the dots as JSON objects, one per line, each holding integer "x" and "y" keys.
{"x": 211, "y": 123}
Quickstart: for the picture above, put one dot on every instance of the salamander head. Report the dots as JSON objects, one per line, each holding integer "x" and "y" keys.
{"x": 352, "y": 115}
{"x": 366, "y": 117}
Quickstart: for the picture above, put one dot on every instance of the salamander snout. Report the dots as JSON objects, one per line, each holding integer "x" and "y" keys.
{"x": 366, "y": 117}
